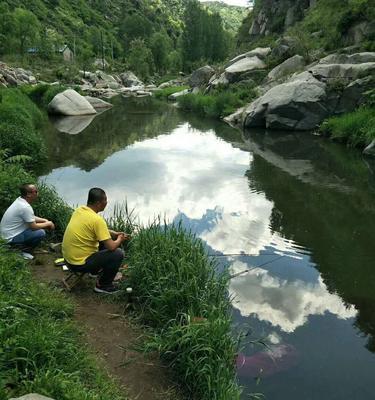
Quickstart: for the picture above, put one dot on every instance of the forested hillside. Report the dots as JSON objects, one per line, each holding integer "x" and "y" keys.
{"x": 232, "y": 16}
{"x": 320, "y": 24}
{"x": 147, "y": 35}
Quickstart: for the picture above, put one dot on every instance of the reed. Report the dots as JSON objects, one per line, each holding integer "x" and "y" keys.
{"x": 181, "y": 295}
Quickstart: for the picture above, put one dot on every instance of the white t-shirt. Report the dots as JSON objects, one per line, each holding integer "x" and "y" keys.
{"x": 16, "y": 219}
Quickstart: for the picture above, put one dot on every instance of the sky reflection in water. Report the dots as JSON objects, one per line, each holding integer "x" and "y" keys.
{"x": 201, "y": 178}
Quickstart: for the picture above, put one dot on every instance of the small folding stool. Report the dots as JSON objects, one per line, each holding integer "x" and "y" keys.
{"x": 73, "y": 278}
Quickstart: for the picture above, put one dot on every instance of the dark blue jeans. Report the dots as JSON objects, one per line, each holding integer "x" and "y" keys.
{"x": 29, "y": 238}
{"x": 106, "y": 263}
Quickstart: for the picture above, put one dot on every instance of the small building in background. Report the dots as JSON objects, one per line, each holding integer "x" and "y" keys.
{"x": 66, "y": 53}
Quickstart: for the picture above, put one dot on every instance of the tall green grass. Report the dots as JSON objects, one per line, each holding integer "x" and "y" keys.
{"x": 20, "y": 119}
{"x": 220, "y": 102}
{"x": 356, "y": 128}
{"x": 165, "y": 93}
{"x": 41, "y": 350}
{"x": 182, "y": 296}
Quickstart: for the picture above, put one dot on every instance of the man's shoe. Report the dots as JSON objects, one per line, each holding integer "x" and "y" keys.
{"x": 27, "y": 256}
{"x": 110, "y": 289}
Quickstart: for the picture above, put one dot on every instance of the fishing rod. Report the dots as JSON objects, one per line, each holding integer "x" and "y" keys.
{"x": 241, "y": 255}
{"x": 256, "y": 266}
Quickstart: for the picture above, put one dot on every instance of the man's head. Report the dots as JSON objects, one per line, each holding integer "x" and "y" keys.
{"x": 29, "y": 192}
{"x": 97, "y": 199}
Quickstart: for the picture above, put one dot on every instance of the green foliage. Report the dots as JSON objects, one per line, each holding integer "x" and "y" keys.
{"x": 355, "y": 129}
{"x": 204, "y": 37}
{"x": 19, "y": 119}
{"x": 43, "y": 94}
{"x": 26, "y": 28}
{"x": 140, "y": 60}
{"x": 41, "y": 350}
{"x": 11, "y": 177}
{"x": 49, "y": 205}
{"x": 220, "y": 102}
{"x": 184, "y": 298}
{"x": 165, "y": 93}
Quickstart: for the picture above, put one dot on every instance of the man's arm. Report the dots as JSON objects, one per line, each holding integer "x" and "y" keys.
{"x": 111, "y": 244}
{"x": 115, "y": 234}
{"x": 38, "y": 219}
{"x": 41, "y": 225}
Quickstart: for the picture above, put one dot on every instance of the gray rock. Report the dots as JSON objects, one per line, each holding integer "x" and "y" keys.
{"x": 356, "y": 58}
{"x": 201, "y": 76}
{"x": 98, "y": 103}
{"x": 295, "y": 105}
{"x": 129, "y": 79}
{"x": 370, "y": 149}
{"x": 347, "y": 71}
{"x": 288, "y": 67}
{"x": 260, "y": 52}
{"x": 70, "y": 102}
{"x": 233, "y": 72}
{"x": 174, "y": 96}
{"x": 31, "y": 396}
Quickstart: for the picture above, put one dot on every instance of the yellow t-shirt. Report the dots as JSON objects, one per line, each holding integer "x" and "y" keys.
{"x": 82, "y": 236}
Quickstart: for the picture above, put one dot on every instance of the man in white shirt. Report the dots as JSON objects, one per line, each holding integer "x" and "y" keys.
{"x": 19, "y": 226}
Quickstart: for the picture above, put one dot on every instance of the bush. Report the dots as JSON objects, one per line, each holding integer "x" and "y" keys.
{"x": 183, "y": 297}
{"x": 49, "y": 205}
{"x": 220, "y": 102}
{"x": 165, "y": 93}
{"x": 355, "y": 129}
{"x": 43, "y": 94}
{"x": 20, "y": 118}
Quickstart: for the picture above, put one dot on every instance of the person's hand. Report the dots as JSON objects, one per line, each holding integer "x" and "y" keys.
{"x": 127, "y": 236}
{"x": 121, "y": 237}
{"x": 51, "y": 226}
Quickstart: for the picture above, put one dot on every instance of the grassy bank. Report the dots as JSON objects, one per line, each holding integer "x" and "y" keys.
{"x": 41, "y": 350}
{"x": 356, "y": 129}
{"x": 220, "y": 102}
{"x": 180, "y": 294}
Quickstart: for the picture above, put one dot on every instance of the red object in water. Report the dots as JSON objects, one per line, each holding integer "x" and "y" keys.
{"x": 265, "y": 363}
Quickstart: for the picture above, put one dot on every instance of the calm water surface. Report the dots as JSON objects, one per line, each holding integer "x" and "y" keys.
{"x": 294, "y": 201}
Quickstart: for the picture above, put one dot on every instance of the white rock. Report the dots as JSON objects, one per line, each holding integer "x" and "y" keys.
{"x": 70, "y": 102}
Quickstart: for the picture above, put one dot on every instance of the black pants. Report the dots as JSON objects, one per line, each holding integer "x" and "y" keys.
{"x": 106, "y": 263}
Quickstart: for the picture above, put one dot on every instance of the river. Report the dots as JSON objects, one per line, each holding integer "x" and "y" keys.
{"x": 291, "y": 214}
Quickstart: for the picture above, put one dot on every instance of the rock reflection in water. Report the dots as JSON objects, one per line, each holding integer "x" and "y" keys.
{"x": 73, "y": 124}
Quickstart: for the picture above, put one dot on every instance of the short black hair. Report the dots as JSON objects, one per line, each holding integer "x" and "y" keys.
{"x": 25, "y": 188}
{"x": 95, "y": 195}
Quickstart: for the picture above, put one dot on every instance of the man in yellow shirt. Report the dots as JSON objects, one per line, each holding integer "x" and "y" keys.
{"x": 80, "y": 247}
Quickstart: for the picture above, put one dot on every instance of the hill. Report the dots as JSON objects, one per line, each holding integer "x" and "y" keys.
{"x": 232, "y": 16}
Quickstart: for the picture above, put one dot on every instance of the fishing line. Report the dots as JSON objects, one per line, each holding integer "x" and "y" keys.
{"x": 256, "y": 266}
{"x": 241, "y": 254}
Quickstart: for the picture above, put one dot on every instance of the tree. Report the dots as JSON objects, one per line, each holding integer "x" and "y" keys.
{"x": 7, "y": 27}
{"x": 26, "y": 27}
{"x": 160, "y": 45}
{"x": 140, "y": 59}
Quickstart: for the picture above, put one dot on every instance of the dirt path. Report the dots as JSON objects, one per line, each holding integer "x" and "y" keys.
{"x": 112, "y": 337}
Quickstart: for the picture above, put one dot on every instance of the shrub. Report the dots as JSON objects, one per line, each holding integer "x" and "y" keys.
{"x": 49, "y": 205}
{"x": 164, "y": 93}
{"x": 184, "y": 298}
{"x": 355, "y": 129}
{"x": 20, "y": 118}
{"x": 43, "y": 94}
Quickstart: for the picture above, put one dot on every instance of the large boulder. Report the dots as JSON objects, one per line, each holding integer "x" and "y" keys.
{"x": 70, "y": 102}
{"x": 98, "y": 103}
{"x": 342, "y": 71}
{"x": 356, "y": 58}
{"x": 201, "y": 76}
{"x": 260, "y": 52}
{"x": 288, "y": 67}
{"x": 241, "y": 67}
{"x": 295, "y": 105}
{"x": 129, "y": 79}
{"x": 31, "y": 396}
